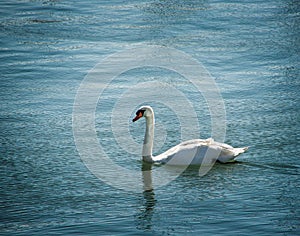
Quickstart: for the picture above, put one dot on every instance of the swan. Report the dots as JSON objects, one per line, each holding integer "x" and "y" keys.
{"x": 191, "y": 152}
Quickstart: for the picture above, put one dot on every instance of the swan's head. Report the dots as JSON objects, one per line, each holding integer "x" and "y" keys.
{"x": 144, "y": 111}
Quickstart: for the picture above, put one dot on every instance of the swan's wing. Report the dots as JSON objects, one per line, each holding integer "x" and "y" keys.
{"x": 194, "y": 151}
{"x": 189, "y": 152}
{"x": 227, "y": 148}
{"x": 197, "y": 142}
{"x": 228, "y": 152}
{"x": 222, "y": 145}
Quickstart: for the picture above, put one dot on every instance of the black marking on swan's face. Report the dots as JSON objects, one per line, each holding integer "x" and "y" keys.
{"x": 139, "y": 114}
{"x": 140, "y": 111}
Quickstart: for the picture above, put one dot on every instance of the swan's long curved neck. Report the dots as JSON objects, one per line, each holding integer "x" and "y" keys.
{"x": 148, "y": 139}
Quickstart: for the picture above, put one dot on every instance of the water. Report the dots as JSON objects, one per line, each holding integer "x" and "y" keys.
{"x": 250, "y": 48}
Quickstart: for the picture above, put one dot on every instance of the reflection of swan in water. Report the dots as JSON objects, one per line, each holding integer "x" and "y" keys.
{"x": 189, "y": 152}
{"x": 144, "y": 217}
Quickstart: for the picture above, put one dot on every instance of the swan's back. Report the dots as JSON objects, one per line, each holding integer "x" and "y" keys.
{"x": 193, "y": 152}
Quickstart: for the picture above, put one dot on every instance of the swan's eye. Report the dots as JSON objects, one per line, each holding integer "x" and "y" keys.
{"x": 139, "y": 114}
{"x": 140, "y": 111}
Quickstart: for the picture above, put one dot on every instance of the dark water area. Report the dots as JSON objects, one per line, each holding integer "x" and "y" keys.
{"x": 251, "y": 49}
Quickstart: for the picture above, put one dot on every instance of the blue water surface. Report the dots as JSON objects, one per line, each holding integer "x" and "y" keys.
{"x": 250, "y": 48}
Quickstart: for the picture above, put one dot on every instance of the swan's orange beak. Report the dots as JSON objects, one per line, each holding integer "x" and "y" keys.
{"x": 138, "y": 116}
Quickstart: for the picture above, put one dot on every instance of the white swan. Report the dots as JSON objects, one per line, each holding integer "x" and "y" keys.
{"x": 192, "y": 152}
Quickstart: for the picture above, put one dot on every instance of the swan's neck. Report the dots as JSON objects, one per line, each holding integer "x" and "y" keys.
{"x": 148, "y": 140}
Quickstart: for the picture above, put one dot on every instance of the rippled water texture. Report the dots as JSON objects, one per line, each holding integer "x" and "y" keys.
{"x": 250, "y": 48}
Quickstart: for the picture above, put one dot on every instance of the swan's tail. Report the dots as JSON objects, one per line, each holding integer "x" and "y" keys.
{"x": 238, "y": 151}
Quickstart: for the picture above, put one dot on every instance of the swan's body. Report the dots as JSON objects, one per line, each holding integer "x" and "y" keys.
{"x": 192, "y": 152}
